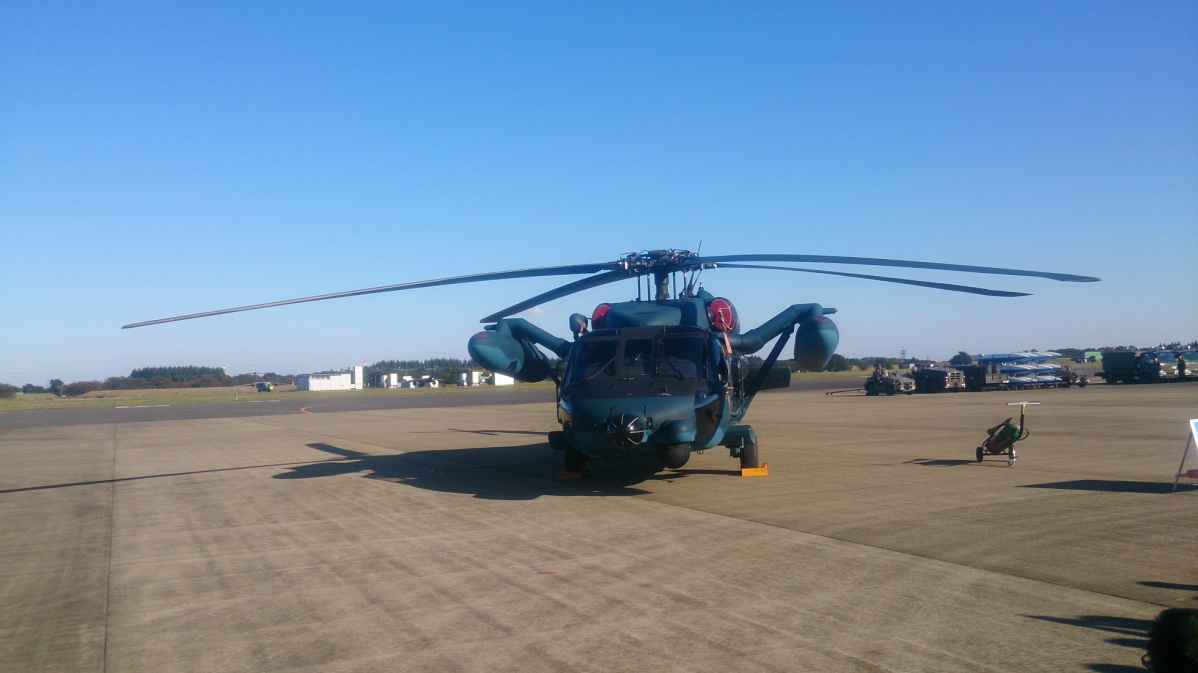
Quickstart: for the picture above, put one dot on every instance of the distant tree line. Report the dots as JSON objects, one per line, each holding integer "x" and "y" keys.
{"x": 839, "y": 363}
{"x": 152, "y": 377}
{"x": 177, "y": 374}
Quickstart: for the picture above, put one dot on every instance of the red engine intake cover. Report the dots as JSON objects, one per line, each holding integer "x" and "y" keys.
{"x": 597, "y": 317}
{"x": 722, "y": 315}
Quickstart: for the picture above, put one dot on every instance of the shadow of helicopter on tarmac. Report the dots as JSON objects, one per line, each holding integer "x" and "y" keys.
{"x": 1125, "y": 631}
{"x": 517, "y": 472}
{"x": 1109, "y": 486}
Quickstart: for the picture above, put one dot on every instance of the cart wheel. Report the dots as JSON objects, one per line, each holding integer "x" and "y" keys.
{"x": 979, "y": 454}
{"x": 1011, "y": 457}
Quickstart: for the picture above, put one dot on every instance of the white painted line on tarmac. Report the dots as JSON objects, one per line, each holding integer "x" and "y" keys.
{"x": 142, "y": 406}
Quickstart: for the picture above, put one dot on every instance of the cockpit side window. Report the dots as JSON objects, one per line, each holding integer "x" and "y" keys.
{"x": 594, "y": 358}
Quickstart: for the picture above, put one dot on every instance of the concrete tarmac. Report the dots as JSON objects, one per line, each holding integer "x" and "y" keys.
{"x": 436, "y": 539}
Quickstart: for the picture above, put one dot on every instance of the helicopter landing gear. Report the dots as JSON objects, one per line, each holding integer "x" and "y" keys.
{"x": 576, "y": 461}
{"x": 575, "y": 465}
{"x": 741, "y": 442}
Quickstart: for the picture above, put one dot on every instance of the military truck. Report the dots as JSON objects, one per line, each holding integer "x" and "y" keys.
{"x": 983, "y": 377}
{"x": 1146, "y": 366}
{"x": 937, "y": 379}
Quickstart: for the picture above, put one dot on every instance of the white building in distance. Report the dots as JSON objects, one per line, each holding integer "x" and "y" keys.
{"x": 477, "y": 378}
{"x": 351, "y": 380}
{"x": 394, "y": 380}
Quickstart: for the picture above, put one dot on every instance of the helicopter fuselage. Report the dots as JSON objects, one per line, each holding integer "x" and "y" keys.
{"x": 655, "y": 390}
{"x": 656, "y": 378}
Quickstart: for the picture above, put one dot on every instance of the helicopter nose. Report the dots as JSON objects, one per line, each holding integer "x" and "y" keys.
{"x": 625, "y": 430}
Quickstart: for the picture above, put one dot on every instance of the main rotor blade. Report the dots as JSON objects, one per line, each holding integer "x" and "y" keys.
{"x": 475, "y": 278}
{"x": 887, "y": 279}
{"x": 567, "y": 289}
{"x": 871, "y": 261}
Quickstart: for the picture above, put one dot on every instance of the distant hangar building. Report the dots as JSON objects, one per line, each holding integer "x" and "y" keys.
{"x": 351, "y": 380}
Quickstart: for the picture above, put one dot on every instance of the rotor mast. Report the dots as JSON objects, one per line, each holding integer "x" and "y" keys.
{"x": 661, "y": 264}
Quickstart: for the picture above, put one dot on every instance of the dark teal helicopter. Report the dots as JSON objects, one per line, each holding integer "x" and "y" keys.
{"x": 660, "y": 376}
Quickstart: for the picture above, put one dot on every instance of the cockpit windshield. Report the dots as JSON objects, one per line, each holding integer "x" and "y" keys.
{"x": 680, "y": 356}
{"x": 683, "y": 356}
{"x": 638, "y": 357}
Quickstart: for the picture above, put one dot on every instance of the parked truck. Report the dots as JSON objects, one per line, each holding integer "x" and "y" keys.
{"x": 983, "y": 377}
{"x": 1150, "y": 366}
{"x": 937, "y": 379}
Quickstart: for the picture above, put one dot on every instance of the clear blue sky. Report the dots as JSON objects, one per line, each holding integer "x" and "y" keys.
{"x": 166, "y": 158}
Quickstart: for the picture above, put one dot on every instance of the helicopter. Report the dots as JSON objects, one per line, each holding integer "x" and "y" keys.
{"x": 666, "y": 374}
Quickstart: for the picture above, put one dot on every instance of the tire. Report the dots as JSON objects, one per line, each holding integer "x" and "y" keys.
{"x": 979, "y": 454}
{"x": 748, "y": 456}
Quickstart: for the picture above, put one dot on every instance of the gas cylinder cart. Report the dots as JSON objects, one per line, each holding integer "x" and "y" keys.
{"x": 1004, "y": 435}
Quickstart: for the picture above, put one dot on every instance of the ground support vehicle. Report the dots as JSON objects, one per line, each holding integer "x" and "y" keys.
{"x": 1002, "y": 437}
{"x": 888, "y": 384}
{"x": 1164, "y": 366}
{"x": 1071, "y": 378}
{"x": 1001, "y": 441}
{"x": 937, "y": 379}
{"x": 983, "y": 377}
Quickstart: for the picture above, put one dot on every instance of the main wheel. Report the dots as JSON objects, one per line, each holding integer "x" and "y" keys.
{"x": 748, "y": 456}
